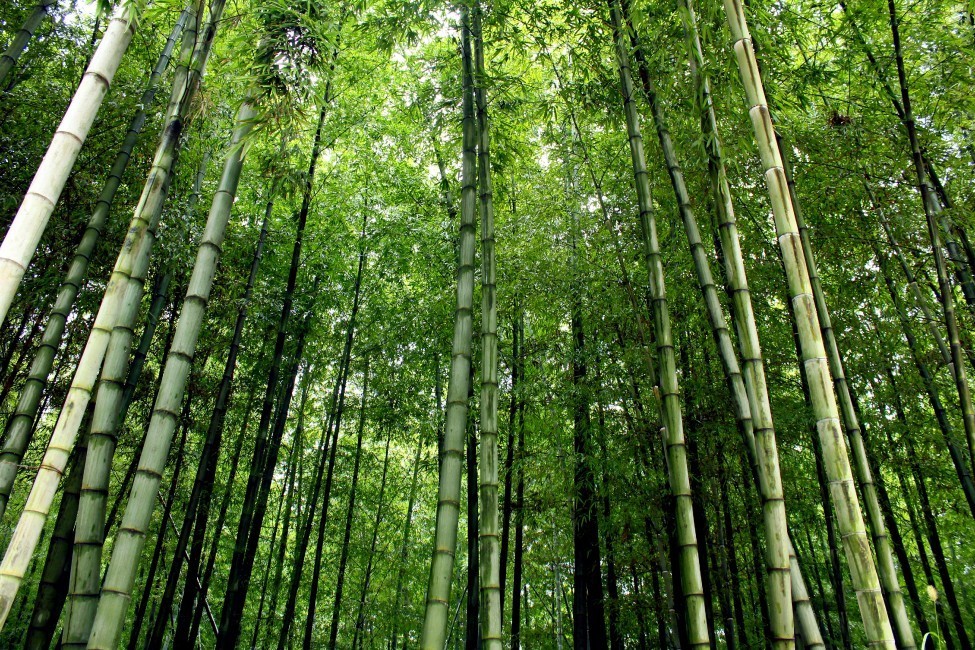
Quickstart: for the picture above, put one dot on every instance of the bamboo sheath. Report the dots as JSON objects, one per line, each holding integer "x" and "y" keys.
{"x": 690, "y": 566}
{"x": 448, "y": 500}
{"x": 19, "y": 429}
{"x": 31, "y": 219}
{"x": 842, "y": 489}
{"x": 121, "y": 573}
{"x": 19, "y": 42}
{"x": 489, "y": 552}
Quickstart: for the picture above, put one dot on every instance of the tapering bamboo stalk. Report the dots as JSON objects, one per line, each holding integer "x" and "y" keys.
{"x": 31, "y": 219}
{"x": 86, "y": 560}
{"x": 117, "y": 588}
{"x": 855, "y": 541}
{"x": 932, "y": 212}
{"x": 677, "y": 466}
{"x": 489, "y": 554}
{"x": 448, "y": 498}
{"x": 18, "y": 431}
{"x": 214, "y": 437}
{"x": 897, "y": 610}
{"x": 761, "y": 448}
{"x": 19, "y": 42}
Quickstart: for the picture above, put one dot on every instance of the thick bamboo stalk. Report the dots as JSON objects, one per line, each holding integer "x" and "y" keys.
{"x": 57, "y": 564}
{"x": 489, "y": 553}
{"x": 897, "y": 610}
{"x": 86, "y": 561}
{"x": 206, "y": 474}
{"x": 19, "y": 42}
{"x": 120, "y": 577}
{"x": 764, "y": 463}
{"x": 849, "y": 517}
{"x": 437, "y": 609}
{"x": 18, "y": 432}
{"x": 35, "y": 211}
{"x": 673, "y": 429}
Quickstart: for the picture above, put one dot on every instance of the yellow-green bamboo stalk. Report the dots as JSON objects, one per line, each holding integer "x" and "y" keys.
{"x": 437, "y": 611}
{"x": 842, "y": 490}
{"x": 680, "y": 485}
{"x": 120, "y": 576}
{"x": 897, "y": 609}
{"x": 112, "y": 312}
{"x": 765, "y": 466}
{"x": 489, "y": 552}
{"x": 758, "y": 431}
{"x": 19, "y": 428}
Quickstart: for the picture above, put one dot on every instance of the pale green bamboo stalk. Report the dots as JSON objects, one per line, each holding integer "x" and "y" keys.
{"x": 86, "y": 561}
{"x": 19, "y": 42}
{"x": 758, "y": 427}
{"x": 843, "y": 492}
{"x": 765, "y": 467}
{"x": 19, "y": 427}
{"x": 120, "y": 576}
{"x": 897, "y": 609}
{"x": 35, "y": 211}
{"x": 136, "y": 246}
{"x": 489, "y": 552}
{"x": 690, "y": 565}
{"x": 437, "y": 609}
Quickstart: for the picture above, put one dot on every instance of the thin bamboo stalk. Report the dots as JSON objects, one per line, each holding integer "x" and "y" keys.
{"x": 437, "y": 610}
{"x": 673, "y": 429}
{"x": 489, "y": 553}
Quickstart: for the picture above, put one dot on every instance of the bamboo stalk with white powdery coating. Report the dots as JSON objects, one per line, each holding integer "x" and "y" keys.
{"x": 24, "y": 234}
{"x": 19, "y": 428}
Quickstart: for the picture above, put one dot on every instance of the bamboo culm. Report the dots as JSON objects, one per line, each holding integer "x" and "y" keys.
{"x": 437, "y": 612}
{"x": 755, "y": 423}
{"x": 673, "y": 426}
{"x": 489, "y": 555}
{"x": 897, "y": 609}
{"x": 35, "y": 211}
{"x": 856, "y": 543}
{"x": 119, "y": 578}
{"x": 129, "y": 270}
{"x": 19, "y": 42}
{"x": 18, "y": 431}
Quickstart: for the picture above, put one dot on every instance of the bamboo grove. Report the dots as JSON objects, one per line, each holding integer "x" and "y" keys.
{"x": 487, "y": 324}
